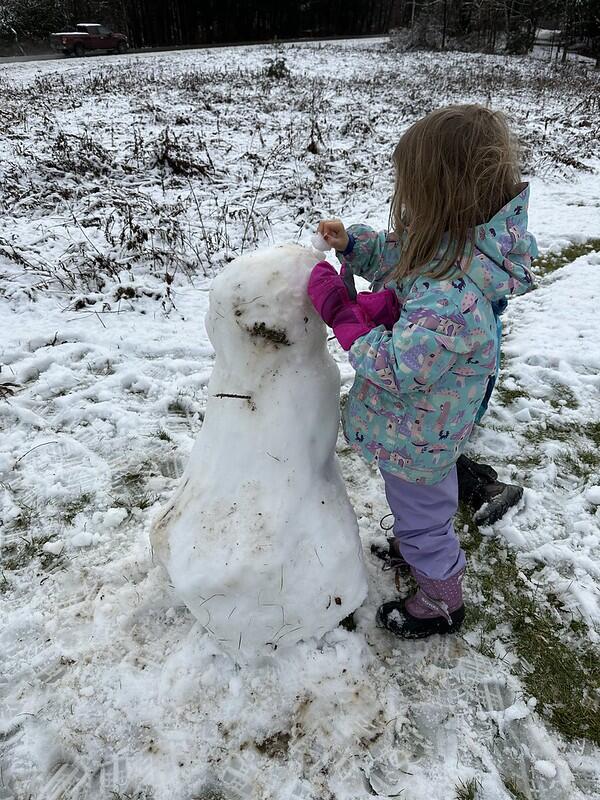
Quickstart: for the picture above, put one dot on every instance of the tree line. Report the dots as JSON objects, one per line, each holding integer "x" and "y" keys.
{"x": 475, "y": 24}
{"x": 499, "y": 24}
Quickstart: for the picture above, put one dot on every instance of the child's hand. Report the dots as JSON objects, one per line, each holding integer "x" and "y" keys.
{"x": 334, "y": 233}
{"x": 330, "y": 297}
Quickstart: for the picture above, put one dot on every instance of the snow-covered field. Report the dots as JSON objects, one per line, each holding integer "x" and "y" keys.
{"x": 125, "y": 185}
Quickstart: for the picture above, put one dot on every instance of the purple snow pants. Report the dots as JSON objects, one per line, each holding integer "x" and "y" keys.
{"x": 423, "y": 524}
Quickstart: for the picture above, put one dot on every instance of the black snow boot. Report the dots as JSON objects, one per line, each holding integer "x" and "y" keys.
{"x": 394, "y": 616}
{"x": 480, "y": 489}
{"x": 436, "y": 607}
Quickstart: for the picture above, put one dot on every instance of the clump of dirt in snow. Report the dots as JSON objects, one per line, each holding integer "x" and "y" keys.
{"x": 274, "y": 335}
{"x": 275, "y": 746}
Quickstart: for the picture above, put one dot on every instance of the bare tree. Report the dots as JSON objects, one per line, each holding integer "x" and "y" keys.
{"x": 485, "y": 24}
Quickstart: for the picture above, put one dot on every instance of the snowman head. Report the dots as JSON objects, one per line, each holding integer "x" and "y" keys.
{"x": 259, "y": 306}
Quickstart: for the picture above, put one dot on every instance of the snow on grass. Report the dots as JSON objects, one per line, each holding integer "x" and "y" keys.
{"x": 125, "y": 185}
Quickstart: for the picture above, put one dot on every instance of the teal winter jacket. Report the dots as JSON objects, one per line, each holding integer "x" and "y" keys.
{"x": 418, "y": 387}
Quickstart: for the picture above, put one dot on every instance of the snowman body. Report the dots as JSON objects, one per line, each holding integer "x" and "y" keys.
{"x": 260, "y": 540}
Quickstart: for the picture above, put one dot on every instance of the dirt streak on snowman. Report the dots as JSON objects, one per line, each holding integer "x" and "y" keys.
{"x": 257, "y": 531}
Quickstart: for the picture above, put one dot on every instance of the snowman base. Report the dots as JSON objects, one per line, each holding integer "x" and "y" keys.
{"x": 260, "y": 540}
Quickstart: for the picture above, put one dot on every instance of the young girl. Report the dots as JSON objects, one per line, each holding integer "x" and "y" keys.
{"x": 424, "y": 346}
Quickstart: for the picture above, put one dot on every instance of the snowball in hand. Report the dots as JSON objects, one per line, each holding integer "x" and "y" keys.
{"x": 260, "y": 540}
{"x": 319, "y": 243}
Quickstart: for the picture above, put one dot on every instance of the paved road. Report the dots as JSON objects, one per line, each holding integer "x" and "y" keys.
{"x": 17, "y": 59}
{"x": 50, "y": 56}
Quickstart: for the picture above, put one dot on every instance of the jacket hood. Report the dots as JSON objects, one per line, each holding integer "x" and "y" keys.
{"x": 503, "y": 251}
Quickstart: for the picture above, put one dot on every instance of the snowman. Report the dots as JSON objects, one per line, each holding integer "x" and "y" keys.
{"x": 260, "y": 540}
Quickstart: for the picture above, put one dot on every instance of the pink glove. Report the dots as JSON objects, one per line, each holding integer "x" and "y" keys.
{"x": 382, "y": 307}
{"x": 330, "y": 297}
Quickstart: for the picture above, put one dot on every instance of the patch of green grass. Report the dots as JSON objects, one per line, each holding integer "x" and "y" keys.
{"x": 511, "y": 786}
{"x": 507, "y": 396}
{"x": 21, "y": 553}
{"x": 163, "y": 435}
{"x": 469, "y": 533}
{"x": 558, "y": 666}
{"x": 25, "y": 519}
{"x": 582, "y": 456}
{"x": 581, "y": 463}
{"x": 589, "y": 457}
{"x": 4, "y": 582}
{"x": 579, "y": 627}
{"x": 18, "y": 554}
{"x": 132, "y": 492}
{"x": 128, "y": 501}
{"x": 136, "y": 479}
{"x": 591, "y": 430}
{"x": 526, "y": 461}
{"x": 550, "y": 262}
{"x": 563, "y": 397}
{"x": 468, "y": 790}
{"x": 145, "y": 501}
{"x": 556, "y": 661}
{"x": 547, "y": 430}
{"x": 133, "y": 479}
{"x": 77, "y": 505}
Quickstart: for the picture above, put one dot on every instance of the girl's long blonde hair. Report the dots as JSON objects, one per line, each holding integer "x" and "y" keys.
{"x": 455, "y": 168}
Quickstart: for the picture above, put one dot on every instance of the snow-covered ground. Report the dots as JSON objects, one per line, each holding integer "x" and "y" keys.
{"x": 125, "y": 185}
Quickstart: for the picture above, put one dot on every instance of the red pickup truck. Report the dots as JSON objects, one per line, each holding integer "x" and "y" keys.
{"x": 87, "y": 37}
